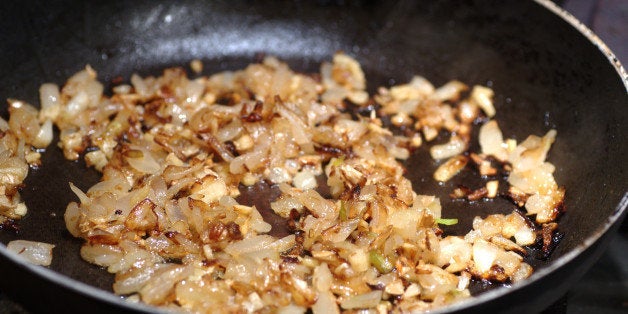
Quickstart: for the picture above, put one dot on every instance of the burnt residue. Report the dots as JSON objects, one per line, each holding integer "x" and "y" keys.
{"x": 215, "y": 231}
{"x": 232, "y": 148}
{"x": 357, "y": 111}
{"x": 233, "y": 231}
{"x": 10, "y": 225}
{"x": 477, "y": 194}
{"x": 293, "y": 220}
{"x": 460, "y": 192}
{"x": 254, "y": 115}
{"x": 153, "y": 109}
{"x": 228, "y": 99}
{"x": 290, "y": 259}
{"x": 518, "y": 199}
{"x": 549, "y": 239}
{"x": 477, "y": 286}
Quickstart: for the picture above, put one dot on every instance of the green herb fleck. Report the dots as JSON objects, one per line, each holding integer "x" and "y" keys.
{"x": 335, "y": 162}
{"x": 447, "y": 221}
{"x": 343, "y": 211}
{"x": 381, "y": 262}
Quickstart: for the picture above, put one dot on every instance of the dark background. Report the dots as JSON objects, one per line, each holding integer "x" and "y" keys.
{"x": 604, "y": 289}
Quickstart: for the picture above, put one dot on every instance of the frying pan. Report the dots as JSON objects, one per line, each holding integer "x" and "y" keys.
{"x": 547, "y": 70}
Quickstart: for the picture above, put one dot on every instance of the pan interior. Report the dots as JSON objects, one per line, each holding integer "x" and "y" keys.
{"x": 544, "y": 77}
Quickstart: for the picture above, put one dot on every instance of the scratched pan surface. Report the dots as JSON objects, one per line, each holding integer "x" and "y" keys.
{"x": 545, "y": 73}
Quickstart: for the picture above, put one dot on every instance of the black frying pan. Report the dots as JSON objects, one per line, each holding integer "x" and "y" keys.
{"x": 546, "y": 69}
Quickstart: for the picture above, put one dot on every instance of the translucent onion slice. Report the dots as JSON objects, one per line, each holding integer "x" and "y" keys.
{"x": 37, "y": 253}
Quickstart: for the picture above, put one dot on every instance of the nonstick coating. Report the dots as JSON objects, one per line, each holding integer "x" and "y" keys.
{"x": 545, "y": 73}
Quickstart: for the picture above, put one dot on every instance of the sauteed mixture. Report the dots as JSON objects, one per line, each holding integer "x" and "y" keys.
{"x": 177, "y": 152}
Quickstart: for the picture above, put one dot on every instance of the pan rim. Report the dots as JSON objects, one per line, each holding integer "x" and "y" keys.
{"x": 591, "y": 36}
{"x": 620, "y": 211}
{"x": 621, "y": 208}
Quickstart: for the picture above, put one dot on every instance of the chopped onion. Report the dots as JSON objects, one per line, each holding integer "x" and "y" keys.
{"x": 362, "y": 301}
{"x": 163, "y": 281}
{"x": 252, "y": 244}
{"x": 176, "y": 153}
{"x": 450, "y": 168}
{"x": 491, "y": 140}
{"x": 325, "y": 304}
{"x": 37, "y": 253}
{"x": 449, "y": 91}
{"x": 454, "y": 147}
{"x": 483, "y": 97}
{"x": 484, "y": 255}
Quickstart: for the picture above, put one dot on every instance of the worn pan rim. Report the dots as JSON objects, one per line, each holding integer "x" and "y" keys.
{"x": 620, "y": 210}
{"x": 618, "y": 214}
